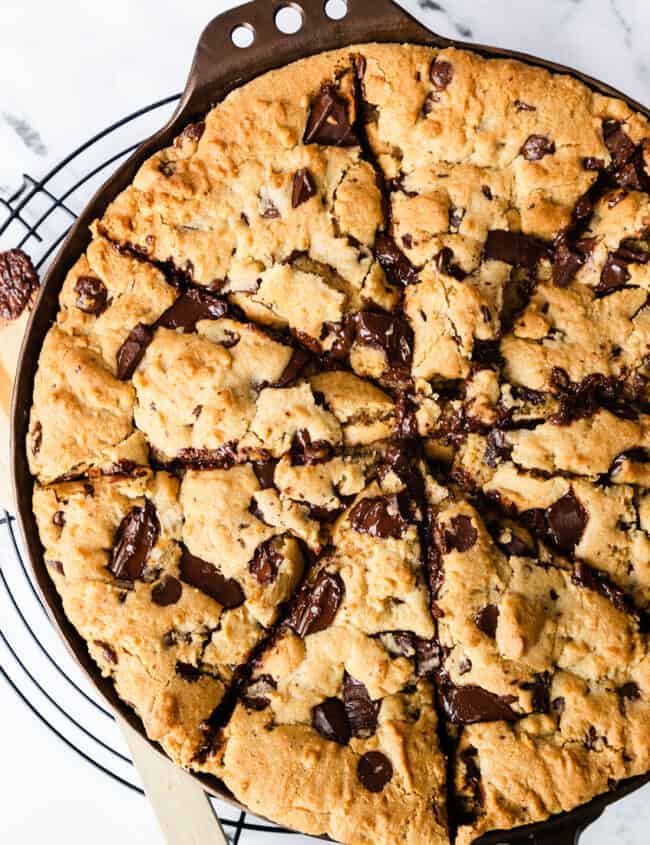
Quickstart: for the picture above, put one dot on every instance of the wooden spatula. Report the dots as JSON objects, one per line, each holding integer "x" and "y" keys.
{"x": 182, "y": 807}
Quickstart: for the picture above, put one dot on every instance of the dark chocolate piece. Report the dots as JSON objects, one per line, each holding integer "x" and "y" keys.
{"x": 380, "y": 516}
{"x": 131, "y": 352}
{"x": 515, "y": 248}
{"x": 187, "y": 672}
{"x": 91, "y": 295}
{"x": 304, "y": 187}
{"x": 374, "y": 770}
{"x": 166, "y": 592}
{"x": 441, "y": 73}
{"x": 329, "y": 121}
{"x": 466, "y": 705}
{"x": 396, "y": 266}
{"x": 360, "y": 709}
{"x": 567, "y": 520}
{"x": 265, "y": 563}
{"x": 256, "y": 693}
{"x": 135, "y": 538}
{"x": 486, "y": 620}
{"x": 331, "y": 721}
{"x": 461, "y": 534}
{"x": 304, "y": 452}
{"x": 388, "y": 332}
{"x": 191, "y": 306}
{"x": 536, "y": 147}
{"x": 294, "y": 368}
{"x": 206, "y": 577}
{"x": 316, "y": 606}
{"x": 265, "y": 471}
{"x": 224, "y": 457}
{"x": 18, "y": 283}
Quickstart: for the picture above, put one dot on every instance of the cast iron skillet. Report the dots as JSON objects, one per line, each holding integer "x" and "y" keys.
{"x": 218, "y": 67}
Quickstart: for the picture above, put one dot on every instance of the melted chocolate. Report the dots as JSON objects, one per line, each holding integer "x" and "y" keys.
{"x": 166, "y": 592}
{"x": 304, "y": 452}
{"x": 396, "y": 266}
{"x": 468, "y": 704}
{"x": 265, "y": 471}
{"x": 191, "y": 306}
{"x": 131, "y": 352}
{"x": 187, "y": 672}
{"x": 567, "y": 520}
{"x": 536, "y": 147}
{"x": 294, "y": 368}
{"x": 360, "y": 709}
{"x": 92, "y": 295}
{"x": 515, "y": 248}
{"x": 425, "y": 654}
{"x": 441, "y": 74}
{"x": 206, "y": 577}
{"x": 331, "y": 721}
{"x": 461, "y": 534}
{"x": 487, "y": 619}
{"x": 374, "y": 771}
{"x": 388, "y": 332}
{"x": 316, "y": 606}
{"x": 265, "y": 563}
{"x": 381, "y": 516}
{"x": 135, "y": 538}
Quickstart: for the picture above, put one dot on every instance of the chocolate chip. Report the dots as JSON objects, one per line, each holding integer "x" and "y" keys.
{"x": 56, "y": 565}
{"x": 615, "y": 273}
{"x": 265, "y": 563}
{"x": 59, "y": 519}
{"x": 380, "y": 516}
{"x": 466, "y": 705}
{"x": 521, "y": 106}
{"x": 486, "y": 620}
{"x": 18, "y": 283}
{"x": 487, "y": 192}
{"x": 257, "y": 691}
{"x": 567, "y": 520}
{"x": 536, "y": 147}
{"x": 593, "y": 163}
{"x": 166, "y": 592}
{"x": 443, "y": 264}
{"x": 316, "y": 605}
{"x": 294, "y": 368}
{"x": 224, "y": 457}
{"x": 627, "y": 169}
{"x": 374, "y": 770}
{"x": 497, "y": 448}
{"x": 425, "y": 654}
{"x": 515, "y": 248}
{"x": 540, "y": 690}
{"x": 629, "y": 691}
{"x": 91, "y": 295}
{"x": 304, "y": 187}
{"x": 264, "y": 471}
{"x": 134, "y": 540}
{"x": 191, "y": 306}
{"x": 305, "y": 452}
{"x": 206, "y": 577}
{"x": 331, "y": 721}
{"x": 360, "y": 709}
{"x": 131, "y": 352}
{"x": 441, "y": 74}
{"x": 396, "y": 266}
{"x": 187, "y": 672}
{"x": 329, "y": 122}
{"x": 461, "y": 534}
{"x": 388, "y": 332}
{"x": 192, "y": 132}
{"x": 566, "y": 262}
{"x": 108, "y": 652}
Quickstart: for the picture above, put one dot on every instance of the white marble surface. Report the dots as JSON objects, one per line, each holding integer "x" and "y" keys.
{"x": 69, "y": 68}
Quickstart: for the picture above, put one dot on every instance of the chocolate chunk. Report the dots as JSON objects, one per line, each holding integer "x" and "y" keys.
{"x": 331, "y": 721}
{"x": 294, "y": 368}
{"x": 629, "y": 691}
{"x": 461, "y": 534}
{"x": 268, "y": 209}
{"x": 304, "y": 452}
{"x": 108, "y": 652}
{"x": 257, "y": 691}
{"x": 407, "y": 429}
{"x": 59, "y": 519}
{"x": 486, "y": 620}
{"x": 497, "y": 448}
{"x": 206, "y": 577}
{"x": 627, "y": 169}
{"x": 619, "y": 144}
{"x": 615, "y": 273}
{"x": 381, "y": 516}
{"x": 265, "y": 563}
{"x": 360, "y": 709}
{"x": 316, "y": 606}
{"x": 187, "y": 672}
{"x": 192, "y": 132}
{"x": 566, "y": 262}
{"x": 191, "y": 306}
{"x": 515, "y": 248}
{"x": 135, "y": 538}
{"x": 91, "y": 295}
{"x": 374, "y": 770}
{"x": 56, "y": 565}
{"x": 344, "y": 335}
{"x": 388, "y": 332}
{"x": 397, "y": 267}
{"x": 443, "y": 263}
{"x": 166, "y": 592}
{"x": 265, "y": 471}
{"x": 536, "y": 147}
{"x": 329, "y": 121}
{"x": 521, "y": 106}
{"x": 441, "y": 74}
{"x": 425, "y": 654}
{"x": 541, "y": 692}
{"x": 465, "y": 705}
{"x": 18, "y": 283}
{"x": 567, "y": 520}
{"x": 593, "y": 163}
{"x": 223, "y": 457}
{"x": 131, "y": 352}
{"x": 304, "y": 187}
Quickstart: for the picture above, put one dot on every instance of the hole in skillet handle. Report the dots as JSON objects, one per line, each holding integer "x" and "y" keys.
{"x": 336, "y": 10}
{"x": 289, "y": 19}
{"x": 243, "y": 36}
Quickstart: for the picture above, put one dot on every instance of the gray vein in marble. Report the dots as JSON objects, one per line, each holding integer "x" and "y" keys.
{"x": 431, "y": 6}
{"x": 27, "y": 134}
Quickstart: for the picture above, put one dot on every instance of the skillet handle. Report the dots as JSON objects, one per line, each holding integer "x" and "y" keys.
{"x": 218, "y": 58}
{"x": 562, "y": 830}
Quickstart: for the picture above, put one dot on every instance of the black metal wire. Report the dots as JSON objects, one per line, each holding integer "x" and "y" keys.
{"x": 19, "y": 207}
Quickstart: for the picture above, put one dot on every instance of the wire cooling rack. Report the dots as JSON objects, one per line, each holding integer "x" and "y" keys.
{"x": 33, "y": 661}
